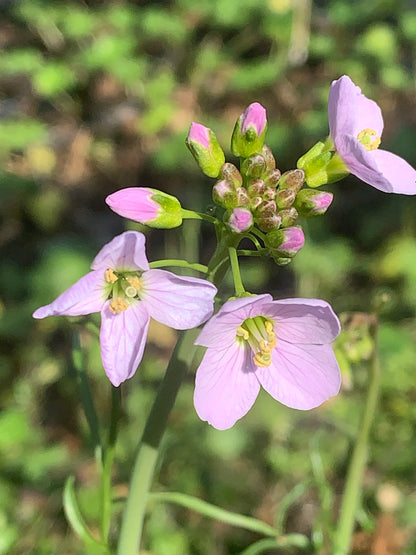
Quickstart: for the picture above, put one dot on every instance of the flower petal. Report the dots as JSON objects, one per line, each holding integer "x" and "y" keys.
{"x": 86, "y": 296}
{"x": 400, "y": 174}
{"x": 349, "y": 111}
{"x": 226, "y": 386}
{"x": 135, "y": 203}
{"x": 310, "y": 321}
{"x": 124, "y": 252}
{"x": 221, "y": 329}
{"x": 177, "y": 301}
{"x": 123, "y": 338}
{"x": 301, "y": 376}
{"x": 362, "y": 163}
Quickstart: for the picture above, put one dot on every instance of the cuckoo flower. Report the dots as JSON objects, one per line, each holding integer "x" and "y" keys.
{"x": 283, "y": 346}
{"x": 356, "y": 124}
{"x": 127, "y": 293}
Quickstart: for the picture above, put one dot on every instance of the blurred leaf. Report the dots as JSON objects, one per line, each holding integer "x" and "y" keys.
{"x": 52, "y": 79}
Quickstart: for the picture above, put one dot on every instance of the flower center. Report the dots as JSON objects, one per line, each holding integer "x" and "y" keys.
{"x": 123, "y": 288}
{"x": 259, "y": 334}
{"x": 369, "y": 139}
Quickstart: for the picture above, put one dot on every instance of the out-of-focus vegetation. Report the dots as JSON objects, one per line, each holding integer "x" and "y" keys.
{"x": 95, "y": 96}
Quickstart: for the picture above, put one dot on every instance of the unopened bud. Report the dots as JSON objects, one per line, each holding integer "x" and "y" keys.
{"x": 285, "y": 243}
{"x": 272, "y": 178}
{"x": 205, "y": 148}
{"x": 239, "y": 220}
{"x": 269, "y": 223}
{"x": 249, "y": 131}
{"x": 310, "y": 202}
{"x": 224, "y": 194}
{"x": 292, "y": 179}
{"x": 285, "y": 198}
{"x": 255, "y": 202}
{"x": 289, "y": 216}
{"x": 322, "y": 164}
{"x": 254, "y": 166}
{"x": 231, "y": 174}
{"x": 266, "y": 208}
{"x": 256, "y": 187}
{"x": 147, "y": 206}
{"x": 270, "y": 193}
{"x": 268, "y": 156}
{"x": 243, "y": 198}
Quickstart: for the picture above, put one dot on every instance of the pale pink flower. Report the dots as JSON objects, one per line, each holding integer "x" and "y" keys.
{"x": 127, "y": 293}
{"x": 356, "y": 125}
{"x": 283, "y": 346}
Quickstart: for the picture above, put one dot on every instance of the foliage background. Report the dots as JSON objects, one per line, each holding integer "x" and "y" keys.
{"x": 95, "y": 96}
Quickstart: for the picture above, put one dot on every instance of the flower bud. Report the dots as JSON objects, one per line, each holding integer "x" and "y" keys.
{"x": 285, "y": 243}
{"x": 267, "y": 154}
{"x": 266, "y": 208}
{"x": 146, "y": 206}
{"x": 249, "y": 131}
{"x": 205, "y": 148}
{"x": 289, "y": 216}
{"x": 242, "y": 197}
{"x": 256, "y": 187}
{"x": 255, "y": 202}
{"x": 254, "y": 166}
{"x": 239, "y": 220}
{"x": 310, "y": 202}
{"x": 270, "y": 193}
{"x": 231, "y": 174}
{"x": 292, "y": 179}
{"x": 272, "y": 178}
{"x": 285, "y": 198}
{"x": 322, "y": 165}
{"x": 269, "y": 223}
{"x": 224, "y": 194}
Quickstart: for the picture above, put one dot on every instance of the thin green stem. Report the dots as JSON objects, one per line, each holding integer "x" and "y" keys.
{"x": 142, "y": 474}
{"x": 106, "y": 497}
{"x": 192, "y": 215}
{"x": 246, "y": 252}
{"x": 282, "y": 542}
{"x": 235, "y": 268}
{"x": 179, "y": 264}
{"x": 353, "y": 486}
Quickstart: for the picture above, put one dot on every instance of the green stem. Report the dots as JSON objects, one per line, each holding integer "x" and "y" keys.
{"x": 191, "y": 215}
{"x": 352, "y": 492}
{"x": 235, "y": 268}
{"x": 142, "y": 474}
{"x": 106, "y": 497}
{"x": 179, "y": 264}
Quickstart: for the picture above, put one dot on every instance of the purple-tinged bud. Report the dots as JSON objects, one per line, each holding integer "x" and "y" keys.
{"x": 239, "y": 220}
{"x": 231, "y": 174}
{"x": 256, "y": 187}
{"x": 242, "y": 197}
{"x": 273, "y": 177}
{"x": 292, "y": 179}
{"x": 310, "y": 202}
{"x": 255, "y": 202}
{"x": 249, "y": 131}
{"x": 289, "y": 216}
{"x": 146, "y": 206}
{"x": 268, "y": 156}
{"x": 285, "y": 198}
{"x": 270, "y": 193}
{"x": 269, "y": 223}
{"x": 224, "y": 194}
{"x": 266, "y": 209}
{"x": 254, "y": 166}
{"x": 205, "y": 148}
{"x": 285, "y": 243}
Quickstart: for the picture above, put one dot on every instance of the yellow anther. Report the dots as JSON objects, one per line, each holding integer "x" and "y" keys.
{"x": 118, "y": 304}
{"x": 110, "y": 276}
{"x": 269, "y": 327}
{"x": 135, "y": 282}
{"x": 265, "y": 347}
{"x": 369, "y": 139}
{"x": 241, "y": 332}
{"x": 262, "y": 360}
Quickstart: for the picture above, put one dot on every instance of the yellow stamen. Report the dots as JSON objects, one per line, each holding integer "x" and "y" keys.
{"x": 118, "y": 304}
{"x": 369, "y": 139}
{"x": 110, "y": 276}
{"x": 259, "y": 334}
{"x": 135, "y": 282}
{"x": 261, "y": 360}
{"x": 241, "y": 332}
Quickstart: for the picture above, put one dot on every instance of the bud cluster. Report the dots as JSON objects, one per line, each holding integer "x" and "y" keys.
{"x": 257, "y": 194}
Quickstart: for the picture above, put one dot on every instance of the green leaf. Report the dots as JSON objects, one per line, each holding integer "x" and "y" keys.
{"x": 76, "y": 520}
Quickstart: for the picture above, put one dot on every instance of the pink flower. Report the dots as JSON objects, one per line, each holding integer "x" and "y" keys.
{"x": 198, "y": 133}
{"x": 254, "y": 117}
{"x": 240, "y": 220}
{"x": 127, "y": 293}
{"x": 147, "y": 206}
{"x": 356, "y": 125}
{"x": 283, "y": 346}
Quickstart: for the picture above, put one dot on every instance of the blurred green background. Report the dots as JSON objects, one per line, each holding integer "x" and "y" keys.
{"x": 96, "y": 96}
